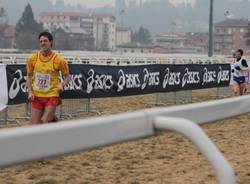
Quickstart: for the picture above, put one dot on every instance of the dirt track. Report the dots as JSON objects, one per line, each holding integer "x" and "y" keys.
{"x": 166, "y": 158}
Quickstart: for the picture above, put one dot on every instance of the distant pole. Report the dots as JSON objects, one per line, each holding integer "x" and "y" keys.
{"x": 210, "y": 46}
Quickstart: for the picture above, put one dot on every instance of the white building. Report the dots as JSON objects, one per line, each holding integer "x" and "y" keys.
{"x": 123, "y": 35}
{"x": 101, "y": 26}
{"x": 104, "y": 31}
{"x": 172, "y": 39}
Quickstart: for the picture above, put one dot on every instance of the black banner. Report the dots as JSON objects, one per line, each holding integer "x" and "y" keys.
{"x": 98, "y": 81}
{"x": 16, "y": 80}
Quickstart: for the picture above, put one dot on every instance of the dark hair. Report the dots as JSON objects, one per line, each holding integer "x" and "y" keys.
{"x": 46, "y": 34}
{"x": 240, "y": 51}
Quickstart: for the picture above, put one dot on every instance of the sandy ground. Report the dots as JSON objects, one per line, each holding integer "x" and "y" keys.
{"x": 165, "y": 158}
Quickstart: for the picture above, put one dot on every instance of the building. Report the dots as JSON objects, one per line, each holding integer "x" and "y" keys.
{"x": 174, "y": 42}
{"x": 135, "y": 48}
{"x": 161, "y": 49}
{"x": 170, "y": 39}
{"x": 99, "y": 26}
{"x": 7, "y": 39}
{"x": 123, "y": 35}
{"x": 73, "y": 39}
{"x": 104, "y": 31}
{"x": 229, "y": 35}
{"x": 197, "y": 40}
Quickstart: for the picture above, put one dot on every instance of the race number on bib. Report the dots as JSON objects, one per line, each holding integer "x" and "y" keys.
{"x": 42, "y": 81}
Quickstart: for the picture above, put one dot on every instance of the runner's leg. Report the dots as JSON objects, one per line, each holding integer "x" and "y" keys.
{"x": 49, "y": 113}
{"x": 242, "y": 89}
{"x": 235, "y": 88}
{"x": 35, "y": 117}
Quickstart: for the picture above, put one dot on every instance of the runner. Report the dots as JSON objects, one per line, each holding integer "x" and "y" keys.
{"x": 43, "y": 83}
{"x": 240, "y": 71}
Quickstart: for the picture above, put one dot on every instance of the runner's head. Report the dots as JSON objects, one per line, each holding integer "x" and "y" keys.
{"x": 46, "y": 40}
{"x": 239, "y": 53}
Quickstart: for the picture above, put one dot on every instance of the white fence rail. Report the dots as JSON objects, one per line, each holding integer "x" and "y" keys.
{"x": 107, "y": 58}
{"x": 24, "y": 144}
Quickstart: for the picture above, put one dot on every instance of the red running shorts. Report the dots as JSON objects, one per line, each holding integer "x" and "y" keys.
{"x": 41, "y": 102}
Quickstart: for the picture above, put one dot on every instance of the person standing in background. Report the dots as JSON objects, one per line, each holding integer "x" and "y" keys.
{"x": 43, "y": 85}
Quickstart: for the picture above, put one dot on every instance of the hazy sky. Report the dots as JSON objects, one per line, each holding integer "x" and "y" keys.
{"x": 98, "y": 3}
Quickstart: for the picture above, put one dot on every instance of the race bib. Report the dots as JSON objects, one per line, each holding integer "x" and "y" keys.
{"x": 42, "y": 81}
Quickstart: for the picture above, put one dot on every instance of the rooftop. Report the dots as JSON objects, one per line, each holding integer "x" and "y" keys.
{"x": 233, "y": 23}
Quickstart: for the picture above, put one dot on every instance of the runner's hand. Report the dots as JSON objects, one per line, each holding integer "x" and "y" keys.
{"x": 60, "y": 88}
{"x": 31, "y": 96}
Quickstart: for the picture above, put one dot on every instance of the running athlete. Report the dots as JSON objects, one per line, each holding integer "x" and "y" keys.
{"x": 43, "y": 83}
{"x": 240, "y": 71}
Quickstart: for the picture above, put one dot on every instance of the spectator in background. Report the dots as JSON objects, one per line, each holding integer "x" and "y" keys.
{"x": 43, "y": 83}
{"x": 240, "y": 72}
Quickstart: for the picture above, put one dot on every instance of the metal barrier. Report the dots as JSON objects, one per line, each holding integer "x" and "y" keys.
{"x": 4, "y": 117}
{"x": 73, "y": 108}
{"x": 188, "y": 96}
{"x": 173, "y": 98}
{"x": 108, "y": 58}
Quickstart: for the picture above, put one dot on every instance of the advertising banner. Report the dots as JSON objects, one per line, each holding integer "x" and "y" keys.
{"x": 98, "y": 81}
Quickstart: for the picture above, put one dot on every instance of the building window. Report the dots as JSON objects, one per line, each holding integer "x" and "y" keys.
{"x": 241, "y": 30}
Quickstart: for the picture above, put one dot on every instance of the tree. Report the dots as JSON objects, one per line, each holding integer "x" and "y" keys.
{"x": 142, "y": 36}
{"x": 27, "y": 30}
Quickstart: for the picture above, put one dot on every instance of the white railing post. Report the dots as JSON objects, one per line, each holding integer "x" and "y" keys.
{"x": 192, "y": 131}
